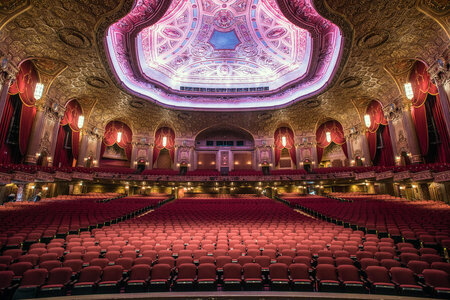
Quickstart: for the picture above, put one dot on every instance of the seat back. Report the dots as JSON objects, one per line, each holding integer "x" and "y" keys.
{"x": 206, "y": 271}
{"x": 59, "y": 276}
{"x": 112, "y": 273}
{"x": 263, "y": 261}
{"x": 75, "y": 264}
{"x": 326, "y": 272}
{"x": 6, "y": 279}
{"x": 90, "y": 274}
{"x": 402, "y": 276}
{"x": 299, "y": 271}
{"x": 278, "y": 271}
{"x": 377, "y": 274}
{"x": 161, "y": 271}
{"x": 34, "y": 277}
{"x": 187, "y": 271}
{"x": 348, "y": 273}
{"x": 168, "y": 260}
{"x": 232, "y": 271}
{"x": 252, "y": 270}
{"x": 140, "y": 272}
{"x": 436, "y": 278}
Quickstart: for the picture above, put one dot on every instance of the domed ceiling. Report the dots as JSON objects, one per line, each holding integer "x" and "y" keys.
{"x": 224, "y": 54}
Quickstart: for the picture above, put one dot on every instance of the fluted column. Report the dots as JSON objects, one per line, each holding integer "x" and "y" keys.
{"x": 348, "y": 141}
{"x": 55, "y": 136}
{"x": 440, "y": 76}
{"x": 365, "y": 149}
{"x": 83, "y": 148}
{"x": 98, "y": 150}
{"x": 315, "y": 163}
{"x": 411, "y": 136}
{"x": 35, "y": 137}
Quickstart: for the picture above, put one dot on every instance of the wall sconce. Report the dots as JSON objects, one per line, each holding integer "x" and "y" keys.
{"x": 409, "y": 91}
{"x": 164, "y": 141}
{"x": 80, "y": 121}
{"x": 119, "y": 136}
{"x": 328, "y": 136}
{"x": 38, "y": 90}
{"x": 367, "y": 120}
{"x": 283, "y": 141}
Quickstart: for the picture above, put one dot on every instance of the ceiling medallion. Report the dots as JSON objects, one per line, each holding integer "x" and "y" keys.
{"x": 373, "y": 39}
{"x": 137, "y": 103}
{"x": 74, "y": 38}
{"x": 350, "y": 82}
{"x": 311, "y": 103}
{"x": 184, "y": 116}
{"x": 264, "y": 116}
{"x": 97, "y": 82}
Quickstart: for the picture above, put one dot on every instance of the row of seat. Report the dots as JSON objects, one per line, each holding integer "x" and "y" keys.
{"x": 250, "y": 276}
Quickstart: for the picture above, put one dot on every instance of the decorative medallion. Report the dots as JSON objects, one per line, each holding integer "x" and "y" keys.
{"x": 137, "y": 103}
{"x": 373, "y": 39}
{"x": 311, "y": 103}
{"x": 264, "y": 116}
{"x": 350, "y": 82}
{"x": 97, "y": 82}
{"x": 74, "y": 38}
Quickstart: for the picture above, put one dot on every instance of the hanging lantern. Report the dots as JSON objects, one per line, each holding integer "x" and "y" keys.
{"x": 409, "y": 91}
{"x": 328, "y": 135}
{"x": 367, "y": 120}
{"x": 119, "y": 136}
{"x": 164, "y": 141}
{"x": 80, "y": 121}
{"x": 283, "y": 141}
{"x": 38, "y": 90}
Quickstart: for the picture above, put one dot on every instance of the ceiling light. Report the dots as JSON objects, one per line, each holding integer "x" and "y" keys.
{"x": 80, "y": 121}
{"x": 38, "y": 90}
{"x": 409, "y": 91}
{"x": 283, "y": 141}
{"x": 328, "y": 135}
{"x": 119, "y": 136}
{"x": 367, "y": 120}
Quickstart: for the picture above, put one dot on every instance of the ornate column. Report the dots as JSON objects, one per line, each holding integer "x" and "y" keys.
{"x": 365, "y": 148}
{"x": 392, "y": 133}
{"x": 36, "y": 136}
{"x": 57, "y": 118}
{"x": 7, "y": 76}
{"x": 411, "y": 135}
{"x": 175, "y": 157}
{"x": 98, "y": 150}
{"x": 315, "y": 163}
{"x": 133, "y": 163}
{"x": 83, "y": 148}
{"x": 440, "y": 75}
{"x": 348, "y": 141}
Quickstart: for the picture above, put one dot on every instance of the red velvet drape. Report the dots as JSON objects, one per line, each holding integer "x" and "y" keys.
{"x": 423, "y": 89}
{"x": 110, "y": 138}
{"x": 5, "y": 155}
{"x": 337, "y": 137}
{"x": 290, "y": 144}
{"x": 170, "y": 142}
{"x": 62, "y": 157}
{"x": 24, "y": 85}
{"x": 379, "y": 122}
{"x": 71, "y": 115}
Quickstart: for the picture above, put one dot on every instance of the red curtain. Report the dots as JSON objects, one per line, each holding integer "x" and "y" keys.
{"x": 111, "y": 131}
{"x": 62, "y": 157}
{"x": 379, "y": 122}
{"x": 24, "y": 85}
{"x": 337, "y": 136}
{"x": 71, "y": 115}
{"x": 170, "y": 142}
{"x": 290, "y": 145}
{"x": 423, "y": 89}
{"x": 5, "y": 155}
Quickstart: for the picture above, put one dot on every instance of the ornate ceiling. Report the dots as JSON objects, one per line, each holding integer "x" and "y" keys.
{"x": 377, "y": 36}
{"x": 201, "y": 51}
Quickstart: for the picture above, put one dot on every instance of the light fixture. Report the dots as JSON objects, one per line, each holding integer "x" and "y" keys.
{"x": 328, "y": 135}
{"x": 38, "y": 90}
{"x": 283, "y": 141}
{"x": 80, "y": 121}
{"x": 119, "y": 136}
{"x": 409, "y": 91}
{"x": 367, "y": 120}
{"x": 164, "y": 141}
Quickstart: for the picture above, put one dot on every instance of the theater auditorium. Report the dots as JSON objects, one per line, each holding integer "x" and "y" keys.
{"x": 224, "y": 149}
